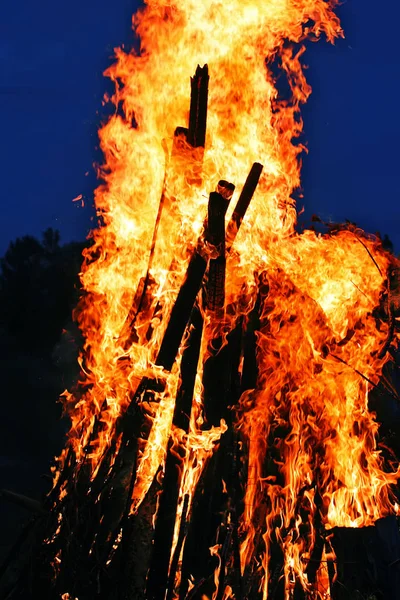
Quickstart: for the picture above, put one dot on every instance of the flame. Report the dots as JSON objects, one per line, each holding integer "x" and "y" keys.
{"x": 319, "y": 344}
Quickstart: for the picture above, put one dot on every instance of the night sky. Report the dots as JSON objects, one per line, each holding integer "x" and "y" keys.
{"x": 52, "y": 56}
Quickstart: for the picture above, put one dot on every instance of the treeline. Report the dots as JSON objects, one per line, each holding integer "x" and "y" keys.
{"x": 39, "y": 287}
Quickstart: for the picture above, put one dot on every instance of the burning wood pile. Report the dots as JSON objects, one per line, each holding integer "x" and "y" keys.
{"x": 221, "y": 443}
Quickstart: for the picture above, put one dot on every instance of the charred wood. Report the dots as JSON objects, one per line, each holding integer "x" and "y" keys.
{"x": 318, "y": 549}
{"x": 191, "y": 286}
{"x": 204, "y": 522}
{"x": 144, "y": 297}
{"x": 163, "y": 535}
{"x": 250, "y": 370}
{"x": 367, "y": 561}
{"x": 355, "y": 579}
{"x": 217, "y": 208}
{"x": 223, "y": 563}
{"x": 198, "y": 107}
{"x": 189, "y": 364}
{"x": 132, "y": 558}
{"x": 243, "y": 203}
{"x": 212, "y": 495}
{"x": 221, "y": 377}
{"x": 181, "y": 310}
{"x": 178, "y": 549}
{"x": 168, "y": 502}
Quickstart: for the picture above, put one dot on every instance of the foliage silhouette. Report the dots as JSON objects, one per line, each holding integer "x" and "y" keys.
{"x": 39, "y": 286}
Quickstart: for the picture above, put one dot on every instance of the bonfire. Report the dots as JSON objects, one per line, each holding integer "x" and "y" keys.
{"x": 221, "y": 442}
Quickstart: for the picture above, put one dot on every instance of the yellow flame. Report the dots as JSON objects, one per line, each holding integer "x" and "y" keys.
{"x": 318, "y": 344}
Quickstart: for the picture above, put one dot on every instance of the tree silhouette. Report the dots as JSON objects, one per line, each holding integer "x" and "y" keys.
{"x": 39, "y": 287}
{"x": 51, "y": 240}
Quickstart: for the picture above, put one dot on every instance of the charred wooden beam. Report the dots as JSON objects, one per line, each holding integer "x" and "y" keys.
{"x": 187, "y": 294}
{"x": 214, "y": 234}
{"x": 236, "y": 506}
{"x": 223, "y": 558}
{"x": 221, "y": 377}
{"x": 178, "y": 549}
{"x": 196, "y": 589}
{"x": 243, "y": 203}
{"x": 128, "y": 569}
{"x": 163, "y": 537}
{"x": 194, "y": 135}
{"x": 217, "y": 483}
{"x": 143, "y": 299}
{"x": 141, "y": 304}
{"x": 353, "y": 573}
{"x": 197, "y": 561}
{"x": 168, "y": 502}
{"x": 367, "y": 561}
{"x": 250, "y": 369}
{"x": 181, "y": 310}
{"x": 189, "y": 363}
{"x": 194, "y": 276}
{"x": 66, "y": 472}
{"x": 317, "y": 551}
{"x": 157, "y": 581}
{"x": 198, "y": 107}
{"x": 217, "y": 208}
{"x": 237, "y": 583}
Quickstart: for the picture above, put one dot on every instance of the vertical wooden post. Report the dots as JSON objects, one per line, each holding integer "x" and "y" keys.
{"x": 166, "y": 515}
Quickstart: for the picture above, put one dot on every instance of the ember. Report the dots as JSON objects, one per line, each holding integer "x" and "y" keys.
{"x": 221, "y": 443}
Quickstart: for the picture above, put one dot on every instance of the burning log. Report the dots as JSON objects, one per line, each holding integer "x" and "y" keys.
{"x": 298, "y": 453}
{"x": 178, "y": 548}
{"x": 223, "y": 562}
{"x": 216, "y": 237}
{"x": 198, "y": 108}
{"x": 243, "y": 203}
{"x": 158, "y": 582}
{"x": 182, "y": 308}
{"x": 181, "y": 311}
{"x": 133, "y": 553}
{"x": 220, "y": 386}
{"x": 195, "y": 133}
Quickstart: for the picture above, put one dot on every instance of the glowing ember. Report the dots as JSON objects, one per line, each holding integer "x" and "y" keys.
{"x": 307, "y": 435}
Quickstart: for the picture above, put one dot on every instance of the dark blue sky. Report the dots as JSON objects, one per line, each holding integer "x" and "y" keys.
{"x": 52, "y": 56}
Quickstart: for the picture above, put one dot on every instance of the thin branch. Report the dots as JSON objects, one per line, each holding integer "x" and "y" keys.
{"x": 372, "y": 258}
{"x": 375, "y": 385}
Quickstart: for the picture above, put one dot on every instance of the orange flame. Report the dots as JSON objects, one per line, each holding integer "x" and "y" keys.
{"x": 319, "y": 343}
